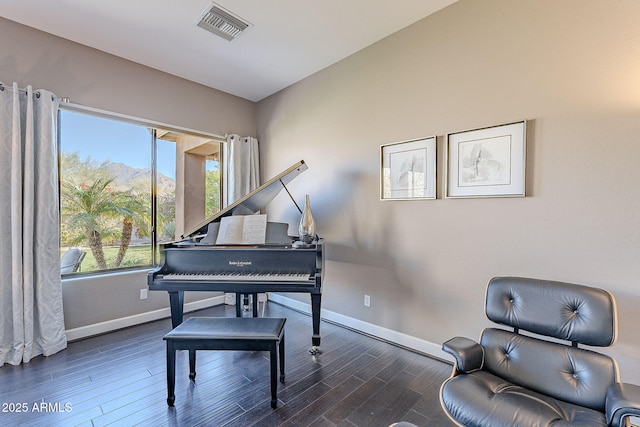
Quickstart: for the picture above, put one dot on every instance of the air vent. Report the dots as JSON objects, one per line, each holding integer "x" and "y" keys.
{"x": 222, "y": 23}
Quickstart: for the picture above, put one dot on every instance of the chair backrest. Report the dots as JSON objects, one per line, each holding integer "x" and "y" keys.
{"x": 564, "y": 311}
{"x": 71, "y": 260}
{"x": 575, "y": 313}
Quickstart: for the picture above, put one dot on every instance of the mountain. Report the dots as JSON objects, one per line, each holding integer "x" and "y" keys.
{"x": 127, "y": 176}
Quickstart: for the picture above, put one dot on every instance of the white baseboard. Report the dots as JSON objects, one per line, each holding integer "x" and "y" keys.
{"x": 392, "y": 336}
{"x": 136, "y": 319}
{"x": 395, "y": 337}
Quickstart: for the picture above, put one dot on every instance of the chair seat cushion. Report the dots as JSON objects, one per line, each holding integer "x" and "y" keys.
{"x": 481, "y": 399}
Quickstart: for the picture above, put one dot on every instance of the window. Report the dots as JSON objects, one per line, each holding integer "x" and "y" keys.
{"x": 126, "y": 186}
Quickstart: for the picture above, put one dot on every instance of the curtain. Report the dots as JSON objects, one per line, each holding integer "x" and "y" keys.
{"x": 31, "y": 317}
{"x": 243, "y": 166}
{"x": 243, "y": 176}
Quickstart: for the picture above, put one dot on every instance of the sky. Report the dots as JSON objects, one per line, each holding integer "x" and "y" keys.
{"x": 114, "y": 141}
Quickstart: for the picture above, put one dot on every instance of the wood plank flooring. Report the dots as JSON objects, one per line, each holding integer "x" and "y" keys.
{"x": 119, "y": 379}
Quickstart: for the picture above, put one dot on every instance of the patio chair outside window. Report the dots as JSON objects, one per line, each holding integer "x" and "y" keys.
{"x": 71, "y": 261}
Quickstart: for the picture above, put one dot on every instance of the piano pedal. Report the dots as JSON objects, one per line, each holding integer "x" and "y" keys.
{"x": 315, "y": 350}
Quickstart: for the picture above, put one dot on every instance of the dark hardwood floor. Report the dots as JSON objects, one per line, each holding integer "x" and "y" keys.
{"x": 120, "y": 379}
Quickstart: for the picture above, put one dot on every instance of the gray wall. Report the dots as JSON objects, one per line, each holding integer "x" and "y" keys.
{"x": 571, "y": 68}
{"x": 95, "y": 79}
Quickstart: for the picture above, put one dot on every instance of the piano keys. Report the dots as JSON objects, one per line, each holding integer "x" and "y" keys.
{"x": 256, "y": 277}
{"x": 190, "y": 265}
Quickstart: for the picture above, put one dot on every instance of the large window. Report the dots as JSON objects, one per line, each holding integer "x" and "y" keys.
{"x": 126, "y": 186}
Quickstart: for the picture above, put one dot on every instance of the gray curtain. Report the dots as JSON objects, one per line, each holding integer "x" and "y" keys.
{"x": 243, "y": 176}
{"x": 31, "y": 316}
{"x": 243, "y": 166}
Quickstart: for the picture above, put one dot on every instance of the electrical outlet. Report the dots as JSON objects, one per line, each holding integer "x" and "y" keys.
{"x": 144, "y": 293}
{"x": 367, "y": 301}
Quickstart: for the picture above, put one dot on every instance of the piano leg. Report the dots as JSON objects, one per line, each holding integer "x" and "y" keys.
{"x": 245, "y": 301}
{"x": 176, "y": 302}
{"x": 255, "y": 304}
{"x": 315, "y": 319}
{"x": 238, "y": 307}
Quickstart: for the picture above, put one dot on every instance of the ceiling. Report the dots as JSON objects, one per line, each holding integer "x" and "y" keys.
{"x": 287, "y": 40}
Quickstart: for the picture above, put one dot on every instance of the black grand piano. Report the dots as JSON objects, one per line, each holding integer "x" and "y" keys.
{"x": 196, "y": 263}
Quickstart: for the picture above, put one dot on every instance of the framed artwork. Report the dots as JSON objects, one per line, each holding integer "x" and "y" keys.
{"x": 408, "y": 170}
{"x": 487, "y": 162}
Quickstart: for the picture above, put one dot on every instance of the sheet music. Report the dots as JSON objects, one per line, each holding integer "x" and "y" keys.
{"x": 243, "y": 230}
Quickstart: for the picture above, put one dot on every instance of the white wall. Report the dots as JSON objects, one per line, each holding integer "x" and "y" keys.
{"x": 571, "y": 68}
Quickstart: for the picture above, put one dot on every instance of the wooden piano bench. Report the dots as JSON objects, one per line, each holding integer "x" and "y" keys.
{"x": 226, "y": 333}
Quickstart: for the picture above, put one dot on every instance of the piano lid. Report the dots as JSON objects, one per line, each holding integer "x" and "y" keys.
{"x": 254, "y": 201}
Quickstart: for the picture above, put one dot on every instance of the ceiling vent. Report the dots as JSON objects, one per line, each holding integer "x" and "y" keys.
{"x": 222, "y": 23}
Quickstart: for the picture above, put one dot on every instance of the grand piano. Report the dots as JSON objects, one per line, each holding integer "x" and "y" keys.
{"x": 196, "y": 263}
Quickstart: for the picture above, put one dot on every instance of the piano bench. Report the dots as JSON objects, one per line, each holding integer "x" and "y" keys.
{"x": 226, "y": 333}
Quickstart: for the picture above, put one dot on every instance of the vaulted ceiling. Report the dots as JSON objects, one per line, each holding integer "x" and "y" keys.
{"x": 286, "y": 40}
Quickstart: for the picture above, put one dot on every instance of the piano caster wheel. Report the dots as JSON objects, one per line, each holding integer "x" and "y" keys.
{"x": 282, "y": 378}
{"x": 246, "y": 307}
{"x": 192, "y": 377}
{"x": 274, "y": 404}
{"x": 314, "y": 350}
{"x": 170, "y": 401}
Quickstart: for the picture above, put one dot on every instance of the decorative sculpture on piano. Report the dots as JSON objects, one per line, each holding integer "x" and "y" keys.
{"x": 307, "y": 227}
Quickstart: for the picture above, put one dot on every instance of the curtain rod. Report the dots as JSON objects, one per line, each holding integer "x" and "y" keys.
{"x": 67, "y": 104}
{"x": 110, "y": 114}
{"x": 23, "y": 90}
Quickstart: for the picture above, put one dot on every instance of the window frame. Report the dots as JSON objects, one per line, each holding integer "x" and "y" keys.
{"x": 153, "y": 126}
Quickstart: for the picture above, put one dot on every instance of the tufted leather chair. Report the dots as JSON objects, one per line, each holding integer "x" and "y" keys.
{"x": 535, "y": 374}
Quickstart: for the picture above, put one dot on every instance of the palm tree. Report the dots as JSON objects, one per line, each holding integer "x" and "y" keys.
{"x": 87, "y": 208}
{"x": 133, "y": 209}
